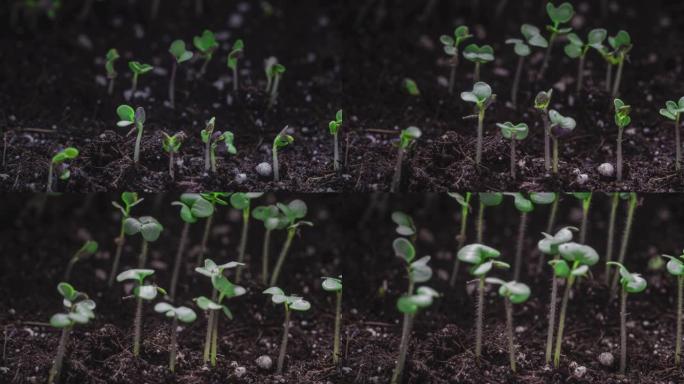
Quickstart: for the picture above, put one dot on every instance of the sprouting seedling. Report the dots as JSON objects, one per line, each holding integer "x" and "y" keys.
{"x": 180, "y": 55}
{"x": 675, "y": 266}
{"x": 138, "y": 69}
{"x": 334, "y": 284}
{"x": 532, "y": 37}
{"x": 410, "y": 87}
{"x": 622, "y": 120}
{"x": 575, "y": 262}
{"x": 128, "y": 200}
{"x": 212, "y": 139}
{"x": 541, "y": 103}
{"x": 620, "y": 44}
{"x": 58, "y": 162}
{"x": 334, "y": 127}
{"x": 272, "y": 219}
{"x": 274, "y": 72}
{"x": 206, "y": 44}
{"x": 243, "y": 201}
{"x": 292, "y": 214}
{"x": 177, "y": 314}
{"x": 478, "y": 55}
{"x": 128, "y": 117}
{"x": 281, "y": 140}
{"x": 585, "y": 199}
{"x": 577, "y": 49}
{"x": 483, "y": 260}
{"x": 486, "y": 199}
{"x": 290, "y": 303}
{"x": 464, "y": 203}
{"x": 142, "y": 291}
{"x": 215, "y": 198}
{"x": 524, "y": 206}
{"x": 559, "y": 15}
{"x": 513, "y": 132}
{"x": 560, "y": 126}
{"x": 192, "y": 208}
{"x": 222, "y": 289}
{"x": 87, "y": 249}
{"x": 236, "y": 53}
{"x": 148, "y": 227}
{"x": 631, "y": 283}
{"x": 549, "y": 246}
{"x": 405, "y": 224}
{"x": 482, "y": 97}
{"x": 632, "y": 200}
{"x": 171, "y": 145}
{"x": 673, "y": 111}
{"x": 407, "y": 138}
{"x": 451, "y": 47}
{"x": 79, "y": 310}
{"x": 513, "y": 293}
{"x": 110, "y": 59}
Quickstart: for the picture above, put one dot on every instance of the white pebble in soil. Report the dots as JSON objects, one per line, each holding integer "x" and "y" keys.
{"x": 606, "y": 359}
{"x": 264, "y": 362}
{"x": 606, "y": 170}
{"x": 264, "y": 169}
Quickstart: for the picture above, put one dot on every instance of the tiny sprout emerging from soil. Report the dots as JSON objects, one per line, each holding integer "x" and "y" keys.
{"x": 292, "y": 213}
{"x": 524, "y": 206}
{"x": 577, "y": 49}
{"x": 87, "y": 249}
{"x": 532, "y": 37}
{"x": 243, "y": 201}
{"x": 621, "y": 44}
{"x": 487, "y": 199}
{"x": 560, "y": 126}
{"x": 622, "y": 120}
{"x": 482, "y": 258}
{"x": 513, "y": 132}
{"x": 541, "y": 103}
{"x": 212, "y": 139}
{"x": 464, "y": 203}
{"x": 513, "y": 293}
{"x": 206, "y": 44}
{"x": 632, "y": 200}
{"x": 482, "y": 97}
{"x": 478, "y": 55}
{"x": 138, "y": 69}
{"x": 334, "y": 284}
{"x": 675, "y": 266}
{"x": 58, "y": 161}
{"x": 148, "y": 227}
{"x": 281, "y": 140}
{"x": 411, "y": 87}
{"x": 631, "y": 283}
{"x": 171, "y": 145}
{"x": 215, "y": 198}
{"x": 585, "y": 198}
{"x": 407, "y": 138}
{"x": 236, "y": 53}
{"x": 559, "y": 15}
{"x": 180, "y": 55}
{"x": 673, "y": 111}
{"x": 334, "y": 127}
{"x": 142, "y": 291}
{"x": 79, "y": 310}
{"x": 290, "y": 303}
{"x": 129, "y": 200}
{"x": 112, "y": 56}
{"x": 270, "y": 216}
{"x": 128, "y": 117}
{"x": 274, "y": 72}
{"x": 451, "y": 46}
{"x": 177, "y": 314}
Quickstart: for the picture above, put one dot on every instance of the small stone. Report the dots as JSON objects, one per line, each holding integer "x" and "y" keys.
{"x": 264, "y": 169}
{"x": 607, "y": 359}
{"x": 264, "y": 362}
{"x": 582, "y": 178}
{"x": 579, "y": 372}
{"x": 346, "y": 370}
{"x": 240, "y": 178}
{"x": 606, "y": 170}
{"x": 240, "y": 371}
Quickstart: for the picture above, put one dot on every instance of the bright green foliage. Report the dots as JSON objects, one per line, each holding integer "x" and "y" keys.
{"x": 291, "y": 302}
{"x": 514, "y": 131}
{"x": 620, "y": 44}
{"x": 550, "y": 243}
{"x": 673, "y": 109}
{"x": 522, "y": 204}
{"x": 577, "y": 48}
{"x": 68, "y": 153}
{"x": 270, "y": 216}
{"x": 183, "y": 314}
{"x": 142, "y": 291}
{"x": 559, "y": 15}
{"x": 675, "y": 266}
{"x": 408, "y": 136}
{"x": 235, "y": 54}
{"x": 481, "y": 95}
{"x": 481, "y": 257}
{"x": 334, "y": 126}
{"x": 206, "y": 44}
{"x": 128, "y": 117}
{"x": 129, "y": 200}
{"x": 411, "y": 87}
{"x": 622, "y": 112}
{"x": 542, "y": 100}
{"x": 172, "y": 144}
{"x": 282, "y": 140}
{"x": 517, "y": 293}
{"x": 631, "y": 282}
{"x": 490, "y": 199}
{"x": 112, "y": 56}
{"x": 532, "y": 37}
{"x": 179, "y": 52}
{"x": 419, "y": 271}
{"x": 194, "y": 207}
{"x": 213, "y": 270}
{"x": 576, "y": 260}
{"x": 479, "y": 54}
{"x": 404, "y": 222}
{"x": 274, "y": 71}
{"x": 411, "y": 304}
{"x": 88, "y": 248}
{"x": 451, "y": 44}
{"x": 148, "y": 227}
{"x": 139, "y": 68}
{"x": 79, "y": 308}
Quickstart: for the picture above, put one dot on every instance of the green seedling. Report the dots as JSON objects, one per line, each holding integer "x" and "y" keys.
{"x": 236, "y": 53}
{"x": 631, "y": 283}
{"x": 149, "y": 229}
{"x": 531, "y": 37}
{"x": 464, "y": 203}
{"x": 483, "y": 260}
{"x": 206, "y": 44}
{"x": 621, "y": 45}
{"x": 212, "y": 139}
{"x": 559, "y": 15}
{"x": 575, "y": 263}
{"x": 549, "y": 246}
{"x": 171, "y": 145}
{"x": 291, "y": 213}
{"x": 405, "y": 225}
{"x": 541, "y": 103}
{"x": 128, "y": 117}
{"x": 79, "y": 310}
{"x": 58, "y": 162}
{"x": 513, "y": 132}
{"x": 478, "y": 55}
{"x": 482, "y": 97}
{"x": 180, "y": 55}
{"x": 513, "y": 293}
{"x": 614, "y": 202}
{"x": 559, "y": 127}
{"x": 585, "y": 198}
{"x": 281, "y": 140}
{"x": 290, "y": 303}
{"x": 142, "y": 291}
{"x": 577, "y": 49}
{"x": 622, "y": 120}
{"x": 632, "y": 200}
{"x": 451, "y": 47}
{"x": 407, "y": 138}
{"x": 87, "y": 249}
{"x": 138, "y": 69}
{"x": 675, "y": 266}
{"x": 272, "y": 219}
{"x": 334, "y": 284}
{"x": 274, "y": 72}
{"x": 486, "y": 199}
{"x": 334, "y": 127}
{"x": 524, "y": 206}
{"x": 128, "y": 200}
{"x": 215, "y": 198}
{"x": 411, "y": 87}
{"x": 192, "y": 208}
{"x": 177, "y": 314}
{"x": 243, "y": 201}
{"x": 110, "y": 59}
{"x": 673, "y": 111}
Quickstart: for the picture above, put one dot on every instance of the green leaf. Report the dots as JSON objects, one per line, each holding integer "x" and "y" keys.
{"x": 522, "y": 204}
{"x": 67, "y": 291}
{"x": 207, "y": 305}
{"x": 490, "y": 199}
{"x": 573, "y": 51}
{"x": 185, "y": 314}
{"x": 179, "y": 52}
{"x": 60, "y": 320}
{"x": 331, "y": 284}
{"x": 420, "y": 271}
{"x": 206, "y": 43}
{"x": 578, "y": 252}
{"x": 282, "y": 139}
{"x": 543, "y": 99}
{"x": 239, "y": 201}
{"x": 126, "y": 113}
{"x": 447, "y": 40}
{"x": 134, "y": 274}
{"x": 514, "y": 131}
{"x": 543, "y": 198}
{"x": 300, "y": 305}
{"x": 139, "y": 68}
{"x": 560, "y": 268}
{"x": 274, "y": 291}
{"x": 481, "y": 269}
{"x": 522, "y": 49}
{"x": 477, "y": 54}
{"x": 675, "y": 266}
{"x": 404, "y": 249}
{"x": 163, "y": 307}
{"x": 597, "y": 37}
{"x": 405, "y": 226}
{"x": 561, "y": 14}
{"x": 477, "y": 253}
{"x": 406, "y": 305}
{"x": 516, "y": 292}
{"x": 411, "y": 87}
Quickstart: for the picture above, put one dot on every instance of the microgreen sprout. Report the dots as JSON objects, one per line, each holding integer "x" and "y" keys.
{"x": 215, "y": 198}
{"x": 532, "y": 37}
{"x": 180, "y": 55}
{"x": 451, "y": 46}
{"x": 483, "y": 260}
{"x": 407, "y": 138}
{"x": 577, "y": 49}
{"x": 272, "y": 219}
{"x": 632, "y": 200}
{"x": 142, "y": 291}
{"x": 631, "y": 283}
{"x": 110, "y": 59}
{"x": 212, "y": 139}
{"x": 334, "y": 127}
{"x": 622, "y": 120}
{"x": 559, "y": 15}
{"x": 291, "y": 212}
{"x": 177, "y": 314}
{"x": 138, "y": 69}
{"x": 585, "y": 198}
{"x": 513, "y": 293}
{"x": 513, "y": 132}
{"x": 58, "y": 162}
{"x": 171, "y": 145}
{"x": 334, "y": 284}
{"x": 87, "y": 249}
{"x": 290, "y": 303}
{"x": 281, "y": 140}
{"x": 411, "y": 87}
{"x": 129, "y": 200}
{"x": 464, "y": 203}
{"x": 128, "y": 117}
{"x": 405, "y": 224}
{"x": 560, "y": 126}
{"x": 524, "y": 206}
{"x": 236, "y": 53}
{"x": 486, "y": 199}
{"x": 149, "y": 229}
{"x": 673, "y": 111}
{"x": 243, "y": 201}
{"x": 79, "y": 310}
{"x": 675, "y": 266}
{"x": 478, "y": 55}
{"x": 541, "y": 103}
{"x": 482, "y": 97}
{"x": 274, "y": 72}
{"x": 206, "y": 44}
{"x": 621, "y": 44}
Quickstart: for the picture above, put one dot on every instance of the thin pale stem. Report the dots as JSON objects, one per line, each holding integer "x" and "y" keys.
{"x": 480, "y": 133}
{"x": 205, "y": 240}
{"x": 207, "y": 155}
{"x": 171, "y": 171}
{"x": 580, "y": 74}
{"x": 56, "y": 370}
{"x": 461, "y": 241}
{"x": 172, "y": 346}
{"x": 552, "y": 316}
{"x": 69, "y": 268}
{"x": 338, "y": 324}
{"x": 138, "y": 140}
{"x": 142, "y": 258}
{"x": 137, "y": 327}
{"x": 519, "y": 246}
{"x": 120, "y": 241}
{"x": 615, "y": 200}
{"x": 516, "y": 80}
{"x": 204, "y": 66}
{"x": 172, "y": 85}
{"x": 480, "y": 223}
{"x": 283, "y": 254}
{"x": 555, "y": 156}
{"x": 618, "y": 78}
{"x": 276, "y": 173}
{"x": 110, "y": 88}
{"x": 336, "y": 154}
{"x": 476, "y": 75}
{"x": 274, "y": 91}
{"x": 480, "y": 318}
{"x": 561, "y": 322}
{"x": 214, "y": 338}
{"x": 207, "y": 337}
{"x": 547, "y": 142}
{"x": 678, "y": 341}
{"x": 243, "y": 243}
{"x": 178, "y": 261}
{"x": 624, "y": 243}
{"x": 212, "y": 159}
{"x": 283, "y": 343}
{"x": 678, "y": 149}
{"x": 396, "y": 180}
{"x": 585, "y": 220}
{"x": 552, "y": 214}
{"x": 509, "y": 331}
{"x": 134, "y": 86}
{"x": 403, "y": 348}
{"x": 547, "y": 57}
{"x": 619, "y": 155}
{"x": 236, "y": 80}
{"x": 513, "y": 158}
{"x": 609, "y": 76}
{"x": 49, "y": 182}
{"x": 623, "y": 332}
{"x": 264, "y": 257}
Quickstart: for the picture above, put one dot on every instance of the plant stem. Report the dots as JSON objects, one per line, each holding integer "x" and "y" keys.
{"x": 552, "y": 316}
{"x": 480, "y": 222}
{"x": 117, "y": 255}
{"x": 338, "y": 324}
{"x": 274, "y": 91}
{"x": 336, "y": 155}
{"x": 480, "y": 318}
{"x": 678, "y": 341}
{"x": 586, "y": 204}
{"x": 134, "y": 86}
{"x": 509, "y": 330}
{"x": 609, "y": 76}
{"x": 138, "y": 140}
{"x": 207, "y": 155}
{"x": 110, "y": 88}
{"x": 283, "y": 253}
{"x": 236, "y": 80}
{"x": 552, "y": 214}
{"x": 214, "y": 338}
{"x": 171, "y": 171}
{"x": 212, "y": 158}
{"x": 49, "y": 182}
{"x": 69, "y": 268}
{"x": 207, "y": 337}
{"x": 178, "y": 261}
{"x": 396, "y": 180}
{"x": 137, "y": 327}
{"x": 172, "y": 346}
{"x": 172, "y": 85}
{"x": 618, "y": 77}
{"x": 264, "y": 256}
{"x": 461, "y": 241}
{"x": 276, "y": 173}
{"x": 547, "y": 142}
{"x": 678, "y": 150}
{"x": 403, "y": 348}
{"x": 480, "y": 129}
{"x": 452, "y": 77}
{"x": 204, "y": 66}
{"x": 56, "y": 370}
{"x": 615, "y": 200}
{"x": 513, "y": 157}
{"x": 555, "y": 156}
{"x": 547, "y": 56}
{"x": 243, "y": 243}
{"x": 516, "y": 80}
{"x": 283, "y": 343}
{"x": 142, "y": 258}
{"x": 561, "y": 320}
{"x": 619, "y": 155}
{"x": 205, "y": 240}
{"x": 623, "y": 332}
{"x": 519, "y": 248}
{"x": 476, "y": 75}
{"x": 580, "y": 74}
{"x": 631, "y": 207}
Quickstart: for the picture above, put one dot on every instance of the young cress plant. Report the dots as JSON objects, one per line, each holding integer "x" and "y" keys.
{"x": 334, "y": 284}
{"x": 272, "y": 219}
{"x": 236, "y": 53}
{"x": 632, "y": 202}
{"x": 524, "y": 206}
{"x": 577, "y": 49}
{"x": 559, "y": 127}
{"x": 291, "y": 213}
{"x": 206, "y": 44}
{"x": 149, "y": 228}
{"x": 405, "y": 225}
{"x": 464, "y": 203}
{"x": 211, "y": 139}
{"x": 58, "y": 161}
{"x": 532, "y": 37}
{"x": 110, "y": 59}
{"x": 411, "y": 87}
{"x": 541, "y": 103}
{"x": 622, "y": 120}
{"x": 478, "y": 55}
{"x": 281, "y": 140}
{"x": 242, "y": 202}
{"x": 290, "y": 303}
{"x": 274, "y": 72}
{"x": 621, "y": 45}
{"x": 558, "y": 15}
{"x": 180, "y": 55}
{"x": 129, "y": 200}
{"x": 334, "y": 127}
{"x": 675, "y": 266}
{"x": 482, "y": 97}
{"x": 585, "y": 199}
{"x": 486, "y": 199}
{"x": 407, "y": 138}
{"x": 87, "y": 249}
{"x": 171, "y": 145}
{"x": 513, "y": 132}
{"x": 673, "y": 111}
{"x": 215, "y": 198}
{"x": 128, "y": 117}
{"x": 138, "y": 69}
{"x": 177, "y": 314}
{"x": 451, "y": 46}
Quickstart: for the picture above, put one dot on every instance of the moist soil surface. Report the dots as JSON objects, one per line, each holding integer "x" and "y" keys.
{"x": 394, "y": 40}
{"x": 54, "y": 94}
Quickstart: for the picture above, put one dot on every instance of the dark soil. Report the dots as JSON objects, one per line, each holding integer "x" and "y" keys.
{"x": 391, "y": 41}
{"x": 52, "y": 96}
